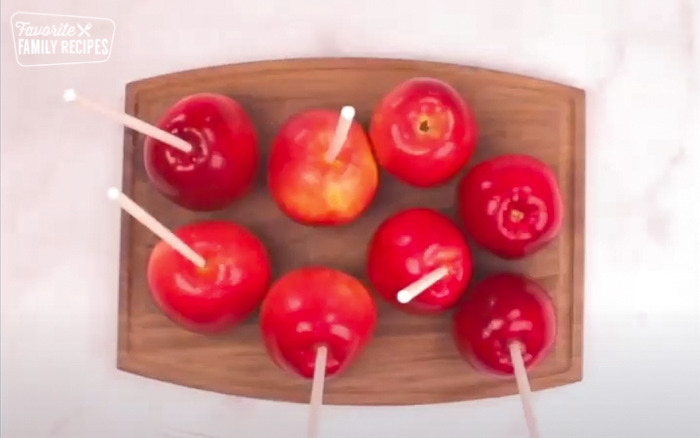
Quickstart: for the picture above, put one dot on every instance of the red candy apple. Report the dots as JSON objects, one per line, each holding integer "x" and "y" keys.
{"x": 503, "y": 309}
{"x": 423, "y": 132}
{"x": 218, "y": 296}
{"x": 312, "y": 307}
{"x": 412, "y": 244}
{"x": 311, "y": 190}
{"x": 511, "y": 205}
{"x": 224, "y": 159}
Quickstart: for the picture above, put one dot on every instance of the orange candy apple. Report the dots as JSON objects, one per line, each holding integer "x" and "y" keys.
{"x": 311, "y": 190}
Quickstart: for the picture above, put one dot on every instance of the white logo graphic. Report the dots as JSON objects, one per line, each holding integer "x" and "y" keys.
{"x": 51, "y": 39}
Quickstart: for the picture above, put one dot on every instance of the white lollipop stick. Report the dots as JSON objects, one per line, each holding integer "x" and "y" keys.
{"x": 341, "y": 133}
{"x": 419, "y": 286}
{"x": 129, "y": 121}
{"x": 524, "y": 388}
{"x": 317, "y": 390}
{"x": 156, "y": 227}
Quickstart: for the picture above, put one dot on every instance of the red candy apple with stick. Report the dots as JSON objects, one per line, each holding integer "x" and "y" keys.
{"x": 224, "y": 158}
{"x": 203, "y": 153}
{"x": 206, "y": 276}
{"x": 418, "y": 260}
{"x": 315, "y": 321}
{"x": 506, "y": 326}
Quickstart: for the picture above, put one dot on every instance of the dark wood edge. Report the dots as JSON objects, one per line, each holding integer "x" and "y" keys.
{"x": 327, "y": 63}
{"x": 579, "y": 109}
{"x": 130, "y": 106}
{"x": 139, "y": 365}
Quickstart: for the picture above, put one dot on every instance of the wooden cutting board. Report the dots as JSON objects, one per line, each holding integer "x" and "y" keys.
{"x": 411, "y": 359}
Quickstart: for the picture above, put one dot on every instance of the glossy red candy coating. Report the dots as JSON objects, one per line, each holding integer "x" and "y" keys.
{"x": 223, "y": 162}
{"x": 315, "y": 306}
{"x": 502, "y": 309}
{"x": 511, "y": 205}
{"x": 423, "y": 132}
{"x": 220, "y": 295}
{"x": 411, "y": 244}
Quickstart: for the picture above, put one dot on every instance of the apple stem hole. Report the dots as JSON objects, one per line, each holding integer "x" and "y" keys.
{"x": 419, "y": 286}
{"x": 424, "y": 126}
{"x": 516, "y": 216}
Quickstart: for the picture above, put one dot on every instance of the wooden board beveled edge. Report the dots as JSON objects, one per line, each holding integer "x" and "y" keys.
{"x": 579, "y": 124}
{"x": 204, "y": 73}
{"x": 573, "y": 374}
{"x": 141, "y": 366}
{"x": 125, "y": 234}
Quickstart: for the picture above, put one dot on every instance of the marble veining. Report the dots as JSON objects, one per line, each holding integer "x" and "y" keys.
{"x": 639, "y": 61}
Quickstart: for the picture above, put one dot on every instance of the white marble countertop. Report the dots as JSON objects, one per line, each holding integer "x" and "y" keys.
{"x": 639, "y": 61}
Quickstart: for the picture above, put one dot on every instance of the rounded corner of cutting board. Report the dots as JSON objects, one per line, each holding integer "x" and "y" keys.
{"x": 506, "y": 105}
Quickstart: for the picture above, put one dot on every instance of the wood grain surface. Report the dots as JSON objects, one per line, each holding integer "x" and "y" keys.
{"x": 411, "y": 359}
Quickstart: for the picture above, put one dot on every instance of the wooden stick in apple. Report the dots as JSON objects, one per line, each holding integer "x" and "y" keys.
{"x": 317, "y": 385}
{"x": 328, "y": 302}
{"x": 507, "y": 315}
{"x": 347, "y": 114}
{"x": 437, "y": 283}
{"x": 156, "y": 227}
{"x": 416, "y": 288}
{"x": 129, "y": 121}
{"x": 523, "y": 388}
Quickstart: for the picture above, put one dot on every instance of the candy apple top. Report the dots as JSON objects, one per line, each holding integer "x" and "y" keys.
{"x": 221, "y": 294}
{"x": 410, "y": 245}
{"x": 308, "y": 188}
{"x": 315, "y": 306}
{"x": 224, "y": 159}
{"x": 423, "y": 132}
{"x": 503, "y": 309}
{"x": 511, "y": 205}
